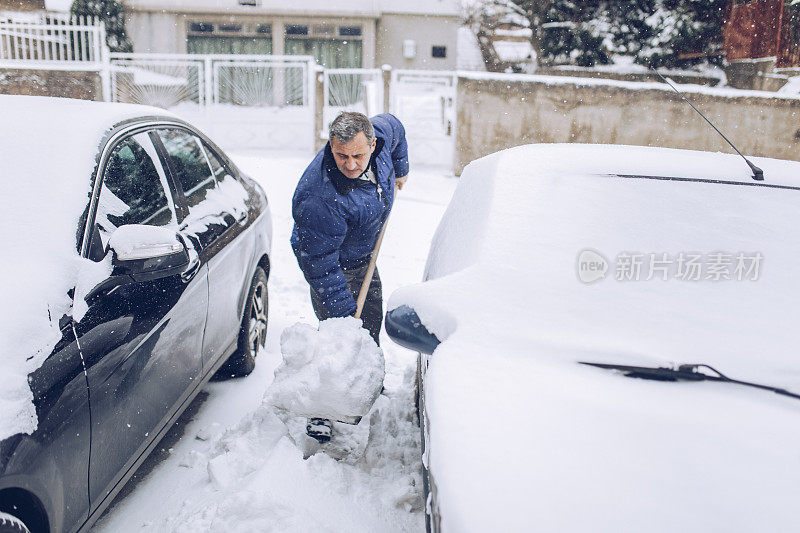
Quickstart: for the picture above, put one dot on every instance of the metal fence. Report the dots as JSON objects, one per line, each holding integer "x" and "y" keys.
{"x": 166, "y": 80}
{"x": 243, "y": 101}
{"x": 162, "y": 81}
{"x": 59, "y": 41}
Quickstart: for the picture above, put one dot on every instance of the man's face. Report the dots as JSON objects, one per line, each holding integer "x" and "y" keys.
{"x": 352, "y": 157}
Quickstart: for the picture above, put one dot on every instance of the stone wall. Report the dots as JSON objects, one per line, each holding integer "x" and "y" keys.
{"x": 22, "y": 5}
{"x": 65, "y": 84}
{"x": 502, "y": 112}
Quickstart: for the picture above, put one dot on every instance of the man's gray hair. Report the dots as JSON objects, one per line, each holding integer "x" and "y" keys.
{"x": 349, "y": 124}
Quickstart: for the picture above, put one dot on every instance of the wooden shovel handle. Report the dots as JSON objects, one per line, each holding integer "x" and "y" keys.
{"x": 362, "y": 294}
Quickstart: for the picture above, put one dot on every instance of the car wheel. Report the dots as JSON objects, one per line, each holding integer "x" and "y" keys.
{"x": 253, "y": 331}
{"x": 11, "y": 524}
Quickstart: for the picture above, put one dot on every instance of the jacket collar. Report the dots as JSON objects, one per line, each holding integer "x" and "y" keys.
{"x": 342, "y": 183}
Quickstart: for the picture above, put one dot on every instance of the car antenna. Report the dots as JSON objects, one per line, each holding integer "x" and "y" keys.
{"x": 758, "y": 174}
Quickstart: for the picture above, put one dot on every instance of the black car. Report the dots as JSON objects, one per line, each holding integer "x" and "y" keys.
{"x": 186, "y": 239}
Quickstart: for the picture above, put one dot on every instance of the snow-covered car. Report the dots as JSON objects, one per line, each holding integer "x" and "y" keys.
{"x": 609, "y": 343}
{"x": 135, "y": 263}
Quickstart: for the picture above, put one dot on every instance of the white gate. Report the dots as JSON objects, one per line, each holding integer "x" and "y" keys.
{"x": 425, "y": 101}
{"x": 167, "y": 81}
{"x": 351, "y": 89}
{"x": 242, "y": 102}
{"x": 263, "y": 102}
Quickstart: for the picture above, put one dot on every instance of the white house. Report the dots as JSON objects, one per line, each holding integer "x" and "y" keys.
{"x": 412, "y": 34}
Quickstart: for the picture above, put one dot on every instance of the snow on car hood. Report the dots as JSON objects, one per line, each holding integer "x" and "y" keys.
{"x": 48, "y": 148}
{"x": 520, "y": 435}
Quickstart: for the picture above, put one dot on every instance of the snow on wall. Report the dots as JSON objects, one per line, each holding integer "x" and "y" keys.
{"x": 469, "y": 53}
{"x": 631, "y": 85}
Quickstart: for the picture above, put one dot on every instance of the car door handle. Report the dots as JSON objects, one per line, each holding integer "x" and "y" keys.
{"x": 191, "y": 270}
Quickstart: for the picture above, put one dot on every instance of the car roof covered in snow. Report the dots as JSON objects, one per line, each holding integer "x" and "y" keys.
{"x": 521, "y": 435}
{"x": 53, "y": 142}
{"x": 48, "y": 148}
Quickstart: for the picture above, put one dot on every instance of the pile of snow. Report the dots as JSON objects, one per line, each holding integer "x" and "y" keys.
{"x": 792, "y": 86}
{"x": 266, "y": 474}
{"x": 40, "y": 209}
{"x": 58, "y": 5}
{"x": 333, "y": 372}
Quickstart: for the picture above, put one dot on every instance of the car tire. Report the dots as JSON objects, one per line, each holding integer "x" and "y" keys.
{"x": 12, "y": 524}
{"x": 253, "y": 331}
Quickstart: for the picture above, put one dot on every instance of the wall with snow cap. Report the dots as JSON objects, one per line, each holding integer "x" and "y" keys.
{"x": 502, "y": 111}
{"x": 82, "y": 85}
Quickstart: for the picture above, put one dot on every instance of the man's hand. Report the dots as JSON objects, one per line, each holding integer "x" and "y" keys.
{"x": 399, "y": 182}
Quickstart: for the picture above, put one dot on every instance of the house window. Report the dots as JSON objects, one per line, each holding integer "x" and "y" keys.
{"x": 331, "y": 46}
{"x": 248, "y": 3}
{"x": 296, "y": 29}
{"x": 229, "y": 38}
{"x": 201, "y": 27}
{"x": 322, "y": 30}
{"x": 230, "y": 28}
{"x": 350, "y": 31}
{"x": 439, "y": 51}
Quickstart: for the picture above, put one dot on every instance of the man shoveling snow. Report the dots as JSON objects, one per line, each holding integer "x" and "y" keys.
{"x": 332, "y": 373}
{"x": 340, "y": 208}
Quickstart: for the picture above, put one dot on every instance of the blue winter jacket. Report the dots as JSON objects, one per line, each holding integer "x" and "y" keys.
{"x": 337, "y": 219}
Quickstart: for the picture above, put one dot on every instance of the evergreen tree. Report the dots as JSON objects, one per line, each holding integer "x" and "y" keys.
{"x": 668, "y": 33}
{"x": 576, "y": 33}
{"x": 535, "y": 13}
{"x": 685, "y": 32}
{"x": 792, "y": 24}
{"x": 113, "y": 17}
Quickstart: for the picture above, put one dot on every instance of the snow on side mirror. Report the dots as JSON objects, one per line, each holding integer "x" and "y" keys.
{"x": 406, "y": 329}
{"x": 135, "y": 241}
{"x": 148, "y": 252}
{"x": 139, "y": 253}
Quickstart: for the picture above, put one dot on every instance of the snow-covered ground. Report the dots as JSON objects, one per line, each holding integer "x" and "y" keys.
{"x": 241, "y": 465}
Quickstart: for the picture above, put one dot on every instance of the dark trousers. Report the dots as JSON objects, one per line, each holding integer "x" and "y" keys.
{"x": 372, "y": 314}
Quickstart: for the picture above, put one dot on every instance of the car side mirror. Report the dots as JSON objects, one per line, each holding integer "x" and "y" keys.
{"x": 145, "y": 253}
{"x": 406, "y": 329}
{"x": 148, "y": 252}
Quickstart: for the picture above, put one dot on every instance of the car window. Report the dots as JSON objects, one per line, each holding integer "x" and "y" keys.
{"x": 188, "y": 160}
{"x": 217, "y": 168}
{"x": 134, "y": 189}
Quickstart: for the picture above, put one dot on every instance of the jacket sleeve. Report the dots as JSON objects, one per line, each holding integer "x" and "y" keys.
{"x": 392, "y": 130}
{"x": 320, "y": 231}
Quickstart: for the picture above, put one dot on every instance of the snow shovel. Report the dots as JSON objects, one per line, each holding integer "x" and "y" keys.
{"x": 362, "y": 294}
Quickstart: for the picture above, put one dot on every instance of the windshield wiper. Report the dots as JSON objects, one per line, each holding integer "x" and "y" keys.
{"x": 685, "y": 373}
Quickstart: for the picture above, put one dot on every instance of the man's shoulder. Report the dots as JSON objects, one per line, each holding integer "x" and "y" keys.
{"x": 389, "y": 128}
{"x": 385, "y": 121}
{"x": 315, "y": 185}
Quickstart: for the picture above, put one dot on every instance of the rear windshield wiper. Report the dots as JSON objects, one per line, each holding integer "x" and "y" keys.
{"x": 685, "y": 373}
